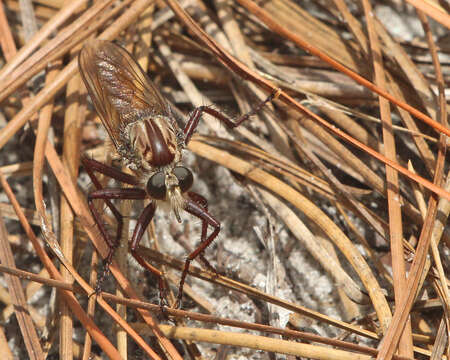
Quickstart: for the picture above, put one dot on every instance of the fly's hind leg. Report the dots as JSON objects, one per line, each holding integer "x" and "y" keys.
{"x": 195, "y": 116}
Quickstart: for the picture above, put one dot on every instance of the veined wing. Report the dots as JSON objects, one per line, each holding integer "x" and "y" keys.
{"x": 120, "y": 90}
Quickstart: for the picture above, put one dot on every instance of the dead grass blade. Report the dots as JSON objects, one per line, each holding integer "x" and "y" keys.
{"x": 71, "y": 159}
{"x": 400, "y": 318}
{"x": 27, "y": 328}
{"x": 433, "y": 10}
{"x": 393, "y": 190}
{"x": 258, "y": 342}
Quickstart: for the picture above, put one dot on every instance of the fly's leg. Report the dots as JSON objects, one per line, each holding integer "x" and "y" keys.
{"x": 107, "y": 195}
{"x": 194, "y": 208}
{"x": 194, "y": 118}
{"x": 142, "y": 223}
{"x": 200, "y": 200}
{"x": 92, "y": 165}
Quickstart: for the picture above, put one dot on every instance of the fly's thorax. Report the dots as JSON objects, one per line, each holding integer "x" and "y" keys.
{"x": 154, "y": 142}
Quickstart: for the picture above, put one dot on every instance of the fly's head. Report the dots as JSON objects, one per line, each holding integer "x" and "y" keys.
{"x": 169, "y": 184}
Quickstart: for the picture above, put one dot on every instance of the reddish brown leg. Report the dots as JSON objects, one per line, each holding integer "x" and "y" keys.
{"x": 194, "y": 208}
{"x": 107, "y": 195}
{"x": 200, "y": 200}
{"x": 196, "y": 114}
{"x": 142, "y": 223}
{"x": 92, "y": 165}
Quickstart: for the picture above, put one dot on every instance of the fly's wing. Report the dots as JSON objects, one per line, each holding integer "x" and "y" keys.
{"x": 120, "y": 90}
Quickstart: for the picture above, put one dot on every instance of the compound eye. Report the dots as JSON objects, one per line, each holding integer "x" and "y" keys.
{"x": 185, "y": 178}
{"x": 156, "y": 186}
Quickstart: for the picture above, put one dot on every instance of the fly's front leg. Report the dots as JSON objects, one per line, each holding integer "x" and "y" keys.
{"x": 92, "y": 165}
{"x": 142, "y": 223}
{"x": 196, "y": 114}
{"x": 193, "y": 207}
{"x": 200, "y": 200}
{"x": 107, "y": 195}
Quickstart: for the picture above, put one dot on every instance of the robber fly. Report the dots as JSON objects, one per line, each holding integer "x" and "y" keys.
{"x": 149, "y": 141}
